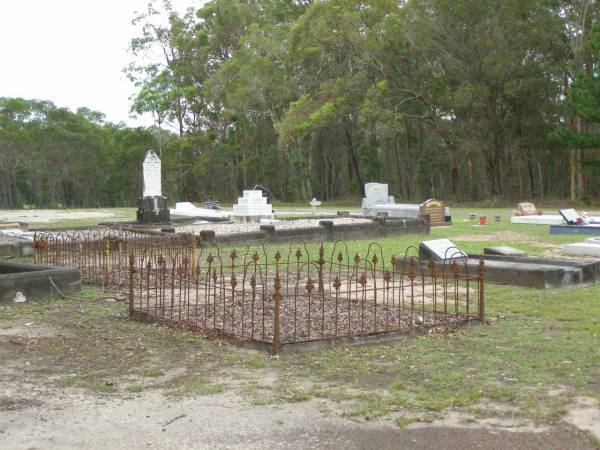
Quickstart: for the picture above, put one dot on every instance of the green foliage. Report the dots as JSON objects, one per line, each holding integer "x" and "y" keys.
{"x": 462, "y": 100}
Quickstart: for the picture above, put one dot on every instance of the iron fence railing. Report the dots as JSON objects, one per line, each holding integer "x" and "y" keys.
{"x": 276, "y": 298}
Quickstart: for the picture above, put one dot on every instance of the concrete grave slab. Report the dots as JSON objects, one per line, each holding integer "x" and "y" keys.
{"x": 503, "y": 250}
{"x": 544, "y": 219}
{"x": 582, "y": 249}
{"x": 523, "y": 271}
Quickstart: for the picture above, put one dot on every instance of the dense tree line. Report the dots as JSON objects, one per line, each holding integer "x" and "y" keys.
{"x": 52, "y": 157}
{"x": 462, "y": 100}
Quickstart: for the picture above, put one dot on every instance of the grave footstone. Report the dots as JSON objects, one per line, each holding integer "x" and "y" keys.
{"x": 152, "y": 207}
{"x": 440, "y": 250}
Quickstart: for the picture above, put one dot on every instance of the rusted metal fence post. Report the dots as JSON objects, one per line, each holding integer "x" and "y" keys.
{"x": 131, "y": 282}
{"x": 106, "y": 269}
{"x": 481, "y": 271}
{"x": 193, "y": 254}
{"x": 277, "y": 308}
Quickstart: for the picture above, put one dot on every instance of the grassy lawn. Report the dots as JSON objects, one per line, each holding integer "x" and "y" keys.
{"x": 538, "y": 351}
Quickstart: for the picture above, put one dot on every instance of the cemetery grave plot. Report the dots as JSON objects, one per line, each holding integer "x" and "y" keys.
{"x": 23, "y": 282}
{"x": 523, "y": 271}
{"x": 233, "y": 228}
{"x": 102, "y": 254}
{"x": 274, "y": 299}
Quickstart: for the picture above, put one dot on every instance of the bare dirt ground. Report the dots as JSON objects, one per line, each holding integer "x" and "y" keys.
{"x": 35, "y": 413}
{"x": 51, "y": 215}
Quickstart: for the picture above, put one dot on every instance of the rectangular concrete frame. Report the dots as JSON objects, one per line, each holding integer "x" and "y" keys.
{"x": 537, "y": 273}
{"x": 34, "y": 281}
{"x": 582, "y": 249}
{"x": 588, "y": 230}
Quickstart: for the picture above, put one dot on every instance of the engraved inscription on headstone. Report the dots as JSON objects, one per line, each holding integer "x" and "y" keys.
{"x": 152, "y": 177}
{"x": 435, "y": 210}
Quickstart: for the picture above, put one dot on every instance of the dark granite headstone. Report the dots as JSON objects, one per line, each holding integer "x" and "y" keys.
{"x": 153, "y": 210}
{"x": 440, "y": 250}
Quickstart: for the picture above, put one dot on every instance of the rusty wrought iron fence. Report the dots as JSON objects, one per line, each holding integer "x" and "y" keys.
{"x": 275, "y": 298}
{"x": 102, "y": 254}
{"x": 295, "y": 297}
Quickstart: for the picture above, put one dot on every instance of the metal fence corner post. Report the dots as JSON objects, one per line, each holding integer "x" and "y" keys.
{"x": 131, "y": 282}
{"x": 481, "y": 273}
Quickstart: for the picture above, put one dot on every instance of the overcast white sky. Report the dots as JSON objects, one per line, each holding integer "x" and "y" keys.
{"x": 71, "y": 52}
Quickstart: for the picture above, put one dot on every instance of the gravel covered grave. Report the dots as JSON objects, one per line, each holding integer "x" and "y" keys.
{"x": 233, "y": 228}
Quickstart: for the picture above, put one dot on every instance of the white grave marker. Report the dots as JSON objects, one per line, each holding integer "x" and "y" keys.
{"x": 252, "y": 207}
{"x": 152, "y": 176}
{"x": 314, "y": 203}
{"x": 441, "y": 249}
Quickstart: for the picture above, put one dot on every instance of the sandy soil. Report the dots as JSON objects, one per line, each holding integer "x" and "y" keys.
{"x": 50, "y": 215}
{"x": 34, "y": 417}
{"x": 35, "y": 414}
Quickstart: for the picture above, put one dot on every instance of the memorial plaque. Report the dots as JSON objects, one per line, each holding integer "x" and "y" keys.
{"x": 152, "y": 176}
{"x": 440, "y": 250}
{"x": 436, "y": 211}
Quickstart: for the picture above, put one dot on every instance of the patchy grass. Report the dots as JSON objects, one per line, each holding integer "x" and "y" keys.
{"x": 537, "y": 343}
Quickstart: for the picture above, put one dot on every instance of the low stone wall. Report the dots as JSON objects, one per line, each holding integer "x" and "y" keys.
{"x": 12, "y": 250}
{"x": 325, "y": 231}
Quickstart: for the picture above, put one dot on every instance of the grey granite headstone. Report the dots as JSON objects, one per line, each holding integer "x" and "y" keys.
{"x": 503, "y": 250}
{"x": 440, "y": 250}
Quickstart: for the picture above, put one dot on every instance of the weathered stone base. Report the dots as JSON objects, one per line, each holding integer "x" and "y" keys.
{"x": 326, "y": 231}
{"x": 250, "y": 219}
{"x": 16, "y": 250}
{"x": 153, "y": 210}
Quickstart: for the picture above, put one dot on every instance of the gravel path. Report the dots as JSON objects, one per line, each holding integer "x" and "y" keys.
{"x": 9, "y": 239}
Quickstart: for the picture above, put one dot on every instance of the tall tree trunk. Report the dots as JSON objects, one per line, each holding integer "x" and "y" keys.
{"x": 354, "y": 159}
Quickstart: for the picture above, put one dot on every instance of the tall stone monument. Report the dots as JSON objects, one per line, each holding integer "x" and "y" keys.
{"x": 152, "y": 207}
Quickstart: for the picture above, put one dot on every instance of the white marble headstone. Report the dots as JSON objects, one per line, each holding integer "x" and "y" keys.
{"x": 152, "y": 177}
{"x": 376, "y": 193}
{"x": 252, "y": 203}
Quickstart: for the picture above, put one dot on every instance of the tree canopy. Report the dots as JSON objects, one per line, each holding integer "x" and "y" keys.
{"x": 463, "y": 100}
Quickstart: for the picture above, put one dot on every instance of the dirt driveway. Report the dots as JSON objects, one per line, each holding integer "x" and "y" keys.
{"x": 37, "y": 413}
{"x": 32, "y": 416}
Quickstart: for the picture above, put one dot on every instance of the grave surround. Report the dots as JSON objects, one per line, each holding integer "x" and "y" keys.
{"x": 523, "y": 271}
